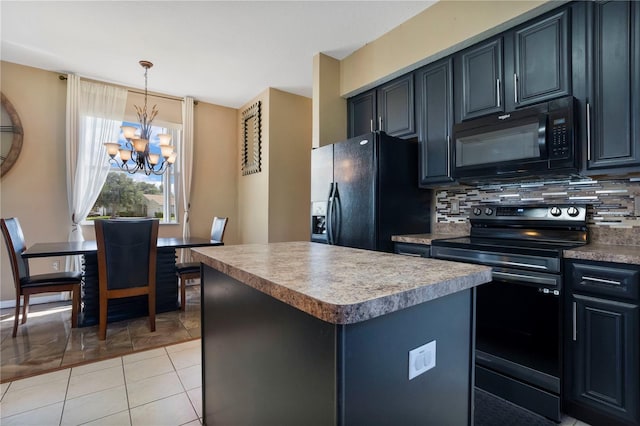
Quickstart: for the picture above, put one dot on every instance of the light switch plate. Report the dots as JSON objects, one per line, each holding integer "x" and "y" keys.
{"x": 422, "y": 359}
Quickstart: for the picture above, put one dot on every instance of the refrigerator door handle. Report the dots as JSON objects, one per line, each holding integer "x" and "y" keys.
{"x": 338, "y": 212}
{"x": 330, "y": 214}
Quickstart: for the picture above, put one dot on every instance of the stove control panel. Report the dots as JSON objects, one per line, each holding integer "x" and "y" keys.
{"x": 560, "y": 212}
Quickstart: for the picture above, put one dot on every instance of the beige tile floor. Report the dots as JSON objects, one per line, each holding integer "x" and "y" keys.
{"x": 47, "y": 341}
{"x": 157, "y": 387}
{"x": 160, "y": 386}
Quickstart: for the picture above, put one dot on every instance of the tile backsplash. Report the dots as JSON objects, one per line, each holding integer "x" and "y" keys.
{"x": 613, "y": 216}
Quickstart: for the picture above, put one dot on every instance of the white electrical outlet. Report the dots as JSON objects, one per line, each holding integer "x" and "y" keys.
{"x": 422, "y": 359}
{"x": 55, "y": 265}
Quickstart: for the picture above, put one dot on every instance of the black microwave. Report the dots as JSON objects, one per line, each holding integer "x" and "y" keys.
{"x": 529, "y": 142}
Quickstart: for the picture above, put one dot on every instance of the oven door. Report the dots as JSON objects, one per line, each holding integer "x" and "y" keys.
{"x": 518, "y": 339}
{"x": 518, "y": 327}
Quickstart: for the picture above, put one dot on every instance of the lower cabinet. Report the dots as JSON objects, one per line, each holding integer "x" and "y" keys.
{"x": 411, "y": 249}
{"x": 602, "y": 349}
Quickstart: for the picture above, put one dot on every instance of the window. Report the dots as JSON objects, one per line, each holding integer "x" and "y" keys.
{"x": 127, "y": 194}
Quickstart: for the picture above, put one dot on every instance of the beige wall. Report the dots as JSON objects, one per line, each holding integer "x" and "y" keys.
{"x": 329, "y": 108}
{"x": 214, "y": 186}
{"x": 290, "y": 166}
{"x": 442, "y": 28}
{"x": 34, "y": 190}
{"x": 253, "y": 189}
{"x": 273, "y": 205}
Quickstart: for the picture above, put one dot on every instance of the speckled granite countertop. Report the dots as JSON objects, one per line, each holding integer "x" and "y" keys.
{"x": 422, "y": 238}
{"x": 605, "y": 253}
{"x": 341, "y": 285}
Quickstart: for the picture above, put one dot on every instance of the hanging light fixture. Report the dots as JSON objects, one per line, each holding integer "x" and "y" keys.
{"x": 135, "y": 155}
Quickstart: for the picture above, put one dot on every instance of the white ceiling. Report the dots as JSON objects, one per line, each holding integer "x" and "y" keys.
{"x": 221, "y": 52}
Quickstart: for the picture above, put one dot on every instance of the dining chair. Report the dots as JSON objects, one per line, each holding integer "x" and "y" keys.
{"x": 191, "y": 270}
{"x": 127, "y": 253}
{"x": 27, "y": 284}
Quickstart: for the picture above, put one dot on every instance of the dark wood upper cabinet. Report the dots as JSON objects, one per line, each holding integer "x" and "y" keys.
{"x": 611, "y": 108}
{"x": 521, "y": 67}
{"x": 434, "y": 95}
{"x": 538, "y": 61}
{"x": 362, "y": 113}
{"x": 389, "y": 108}
{"x": 396, "y": 111}
{"x": 478, "y": 80}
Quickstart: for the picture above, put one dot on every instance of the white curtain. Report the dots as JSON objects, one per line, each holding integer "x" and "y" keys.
{"x": 94, "y": 115}
{"x": 186, "y": 167}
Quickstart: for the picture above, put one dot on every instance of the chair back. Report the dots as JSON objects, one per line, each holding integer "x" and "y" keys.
{"x": 14, "y": 238}
{"x": 127, "y": 251}
{"x": 218, "y": 227}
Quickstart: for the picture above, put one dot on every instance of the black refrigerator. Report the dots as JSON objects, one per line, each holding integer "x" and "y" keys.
{"x": 364, "y": 190}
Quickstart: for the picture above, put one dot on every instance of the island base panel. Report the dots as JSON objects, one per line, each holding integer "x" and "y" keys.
{"x": 374, "y": 363}
{"x": 265, "y": 362}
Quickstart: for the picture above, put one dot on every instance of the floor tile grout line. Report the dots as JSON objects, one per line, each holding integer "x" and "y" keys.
{"x": 103, "y": 417}
{"x": 126, "y": 390}
{"x": 64, "y": 401}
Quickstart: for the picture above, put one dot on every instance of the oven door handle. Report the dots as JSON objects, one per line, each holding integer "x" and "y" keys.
{"x": 510, "y": 276}
{"x": 447, "y": 256}
{"x": 526, "y": 265}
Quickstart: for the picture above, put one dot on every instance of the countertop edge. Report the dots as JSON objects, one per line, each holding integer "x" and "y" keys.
{"x": 605, "y": 253}
{"x": 348, "y": 313}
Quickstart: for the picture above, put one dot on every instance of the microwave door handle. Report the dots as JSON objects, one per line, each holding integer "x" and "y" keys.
{"x": 542, "y": 135}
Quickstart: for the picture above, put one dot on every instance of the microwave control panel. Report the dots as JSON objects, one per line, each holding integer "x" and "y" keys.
{"x": 560, "y": 135}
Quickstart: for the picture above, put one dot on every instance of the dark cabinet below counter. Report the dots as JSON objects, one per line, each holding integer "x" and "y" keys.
{"x": 409, "y": 249}
{"x": 602, "y": 348}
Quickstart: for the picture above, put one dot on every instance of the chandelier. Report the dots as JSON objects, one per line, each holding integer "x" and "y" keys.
{"x": 135, "y": 155}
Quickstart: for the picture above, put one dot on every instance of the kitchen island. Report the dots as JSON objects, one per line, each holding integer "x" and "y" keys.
{"x": 306, "y": 333}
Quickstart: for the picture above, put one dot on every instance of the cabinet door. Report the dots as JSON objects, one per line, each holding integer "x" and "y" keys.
{"x": 613, "y": 127}
{"x": 396, "y": 115}
{"x": 537, "y": 61}
{"x": 435, "y": 97}
{"x": 478, "y": 84}
{"x": 604, "y": 368}
{"x": 362, "y": 114}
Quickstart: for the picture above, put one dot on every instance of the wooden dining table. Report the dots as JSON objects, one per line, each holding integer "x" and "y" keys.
{"x": 127, "y": 308}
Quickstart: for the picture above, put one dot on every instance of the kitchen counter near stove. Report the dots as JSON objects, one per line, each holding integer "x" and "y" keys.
{"x": 605, "y": 253}
{"x": 424, "y": 239}
{"x": 306, "y": 332}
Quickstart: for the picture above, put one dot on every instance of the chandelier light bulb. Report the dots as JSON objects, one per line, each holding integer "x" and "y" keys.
{"x": 128, "y": 132}
{"x": 112, "y": 148}
{"x": 165, "y": 138}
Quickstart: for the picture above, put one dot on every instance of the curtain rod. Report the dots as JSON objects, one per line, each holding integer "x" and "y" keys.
{"x": 172, "y": 98}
